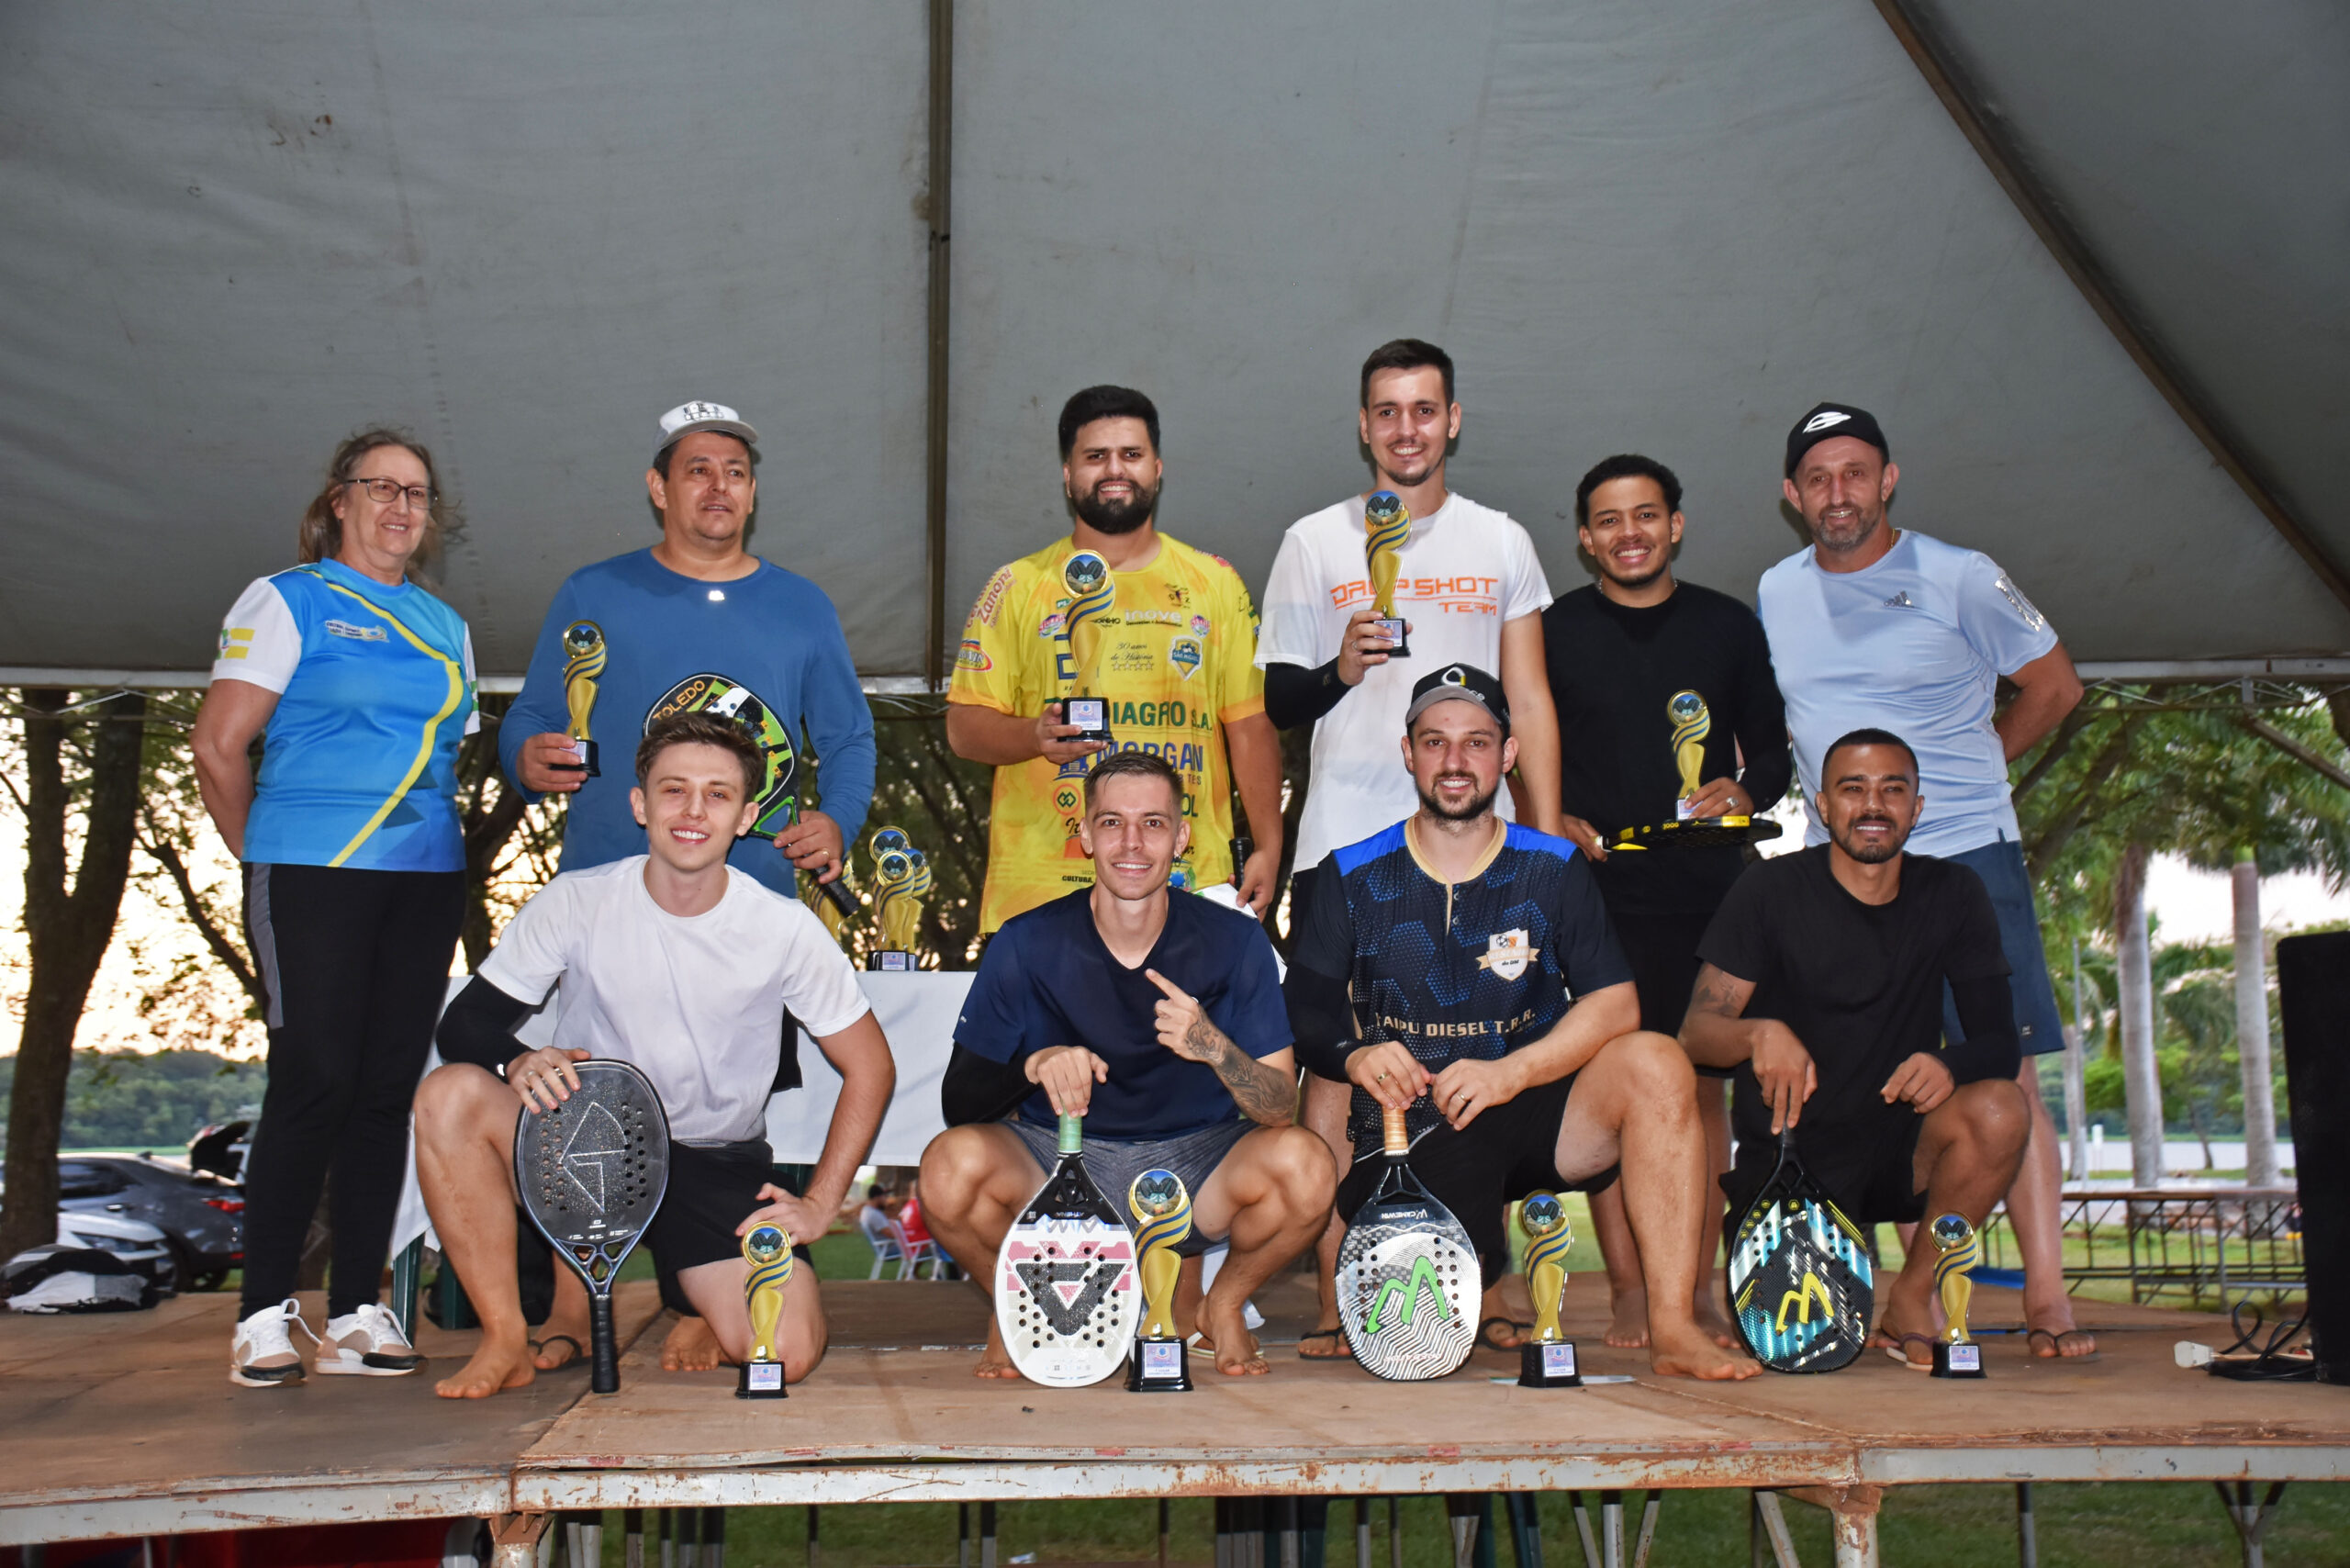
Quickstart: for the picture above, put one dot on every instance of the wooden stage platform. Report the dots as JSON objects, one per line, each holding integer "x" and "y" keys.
{"x": 127, "y": 1425}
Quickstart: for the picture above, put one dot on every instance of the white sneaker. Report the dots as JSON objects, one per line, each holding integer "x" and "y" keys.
{"x": 262, "y": 1354}
{"x": 367, "y": 1343}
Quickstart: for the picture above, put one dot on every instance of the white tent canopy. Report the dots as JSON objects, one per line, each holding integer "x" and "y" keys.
{"x": 239, "y": 230}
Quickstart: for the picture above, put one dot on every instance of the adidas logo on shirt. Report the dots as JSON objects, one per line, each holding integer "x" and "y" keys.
{"x": 1901, "y": 601}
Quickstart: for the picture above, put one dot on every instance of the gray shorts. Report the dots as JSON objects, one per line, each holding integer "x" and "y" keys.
{"x": 1113, "y": 1163}
{"x": 2040, "y": 1029}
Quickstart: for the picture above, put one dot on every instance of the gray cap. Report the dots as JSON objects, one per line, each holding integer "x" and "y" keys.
{"x": 687, "y": 418}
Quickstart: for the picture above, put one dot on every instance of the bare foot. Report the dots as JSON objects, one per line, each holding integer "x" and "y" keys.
{"x": 496, "y": 1367}
{"x": 691, "y": 1347}
{"x": 2052, "y": 1333}
{"x": 1224, "y": 1330}
{"x": 1905, "y": 1338}
{"x": 1683, "y": 1349}
{"x": 1324, "y": 1342}
{"x": 562, "y": 1340}
{"x": 1712, "y": 1324}
{"x": 995, "y": 1361}
{"x": 1627, "y": 1322}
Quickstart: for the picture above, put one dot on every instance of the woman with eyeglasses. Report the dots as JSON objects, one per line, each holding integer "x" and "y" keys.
{"x": 360, "y": 686}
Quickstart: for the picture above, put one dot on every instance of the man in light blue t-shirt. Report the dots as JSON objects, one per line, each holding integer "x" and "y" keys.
{"x": 1884, "y": 628}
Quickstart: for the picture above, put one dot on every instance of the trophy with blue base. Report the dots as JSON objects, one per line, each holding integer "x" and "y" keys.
{"x": 1955, "y": 1352}
{"x": 768, "y": 1251}
{"x": 1093, "y": 592}
{"x": 1162, "y": 1211}
{"x": 1548, "y": 1360}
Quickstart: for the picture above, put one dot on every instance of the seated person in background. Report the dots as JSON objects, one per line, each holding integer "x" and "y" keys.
{"x": 1461, "y": 968}
{"x": 1156, "y": 1016}
{"x": 681, "y": 966}
{"x": 1822, "y": 985}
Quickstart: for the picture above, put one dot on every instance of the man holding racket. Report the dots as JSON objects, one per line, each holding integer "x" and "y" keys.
{"x": 1822, "y": 987}
{"x": 1462, "y": 969}
{"x": 1626, "y": 655}
{"x": 1156, "y": 1016}
{"x": 683, "y": 965}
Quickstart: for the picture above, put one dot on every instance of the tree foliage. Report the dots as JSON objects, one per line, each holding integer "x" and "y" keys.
{"x": 149, "y": 1099}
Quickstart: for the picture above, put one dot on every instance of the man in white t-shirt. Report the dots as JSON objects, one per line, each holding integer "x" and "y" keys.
{"x": 683, "y": 966}
{"x": 1470, "y": 590}
{"x": 1886, "y": 628}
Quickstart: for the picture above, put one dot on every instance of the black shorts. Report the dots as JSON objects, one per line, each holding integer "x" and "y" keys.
{"x": 1870, "y": 1169}
{"x": 1505, "y": 1153}
{"x": 1661, "y": 947}
{"x": 711, "y": 1189}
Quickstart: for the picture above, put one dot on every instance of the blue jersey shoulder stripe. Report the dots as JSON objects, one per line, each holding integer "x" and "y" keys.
{"x": 1387, "y": 841}
{"x": 1540, "y": 843}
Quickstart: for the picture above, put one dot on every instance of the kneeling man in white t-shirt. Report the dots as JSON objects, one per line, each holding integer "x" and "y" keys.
{"x": 677, "y": 964}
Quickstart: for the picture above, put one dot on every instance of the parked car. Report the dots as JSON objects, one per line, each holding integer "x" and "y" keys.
{"x": 140, "y": 1247}
{"x": 201, "y": 1217}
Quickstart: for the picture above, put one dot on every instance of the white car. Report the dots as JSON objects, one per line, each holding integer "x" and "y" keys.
{"x": 138, "y": 1246}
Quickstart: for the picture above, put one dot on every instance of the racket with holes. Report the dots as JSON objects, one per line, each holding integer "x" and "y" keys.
{"x": 1801, "y": 1289}
{"x": 1408, "y": 1281}
{"x": 1067, "y": 1294}
{"x": 1697, "y": 832}
{"x": 591, "y": 1173}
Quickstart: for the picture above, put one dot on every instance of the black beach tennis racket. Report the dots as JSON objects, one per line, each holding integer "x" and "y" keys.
{"x": 591, "y": 1173}
{"x": 1067, "y": 1294}
{"x": 1697, "y": 832}
{"x": 1407, "y": 1275}
{"x": 1801, "y": 1290}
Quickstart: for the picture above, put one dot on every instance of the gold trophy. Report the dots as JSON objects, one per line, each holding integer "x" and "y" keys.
{"x": 1162, "y": 1211}
{"x": 768, "y": 1251}
{"x": 1387, "y": 528}
{"x": 583, "y": 661}
{"x": 901, "y": 878}
{"x": 1692, "y": 723}
{"x": 1548, "y": 1360}
{"x": 1091, "y": 593}
{"x": 1956, "y": 1353}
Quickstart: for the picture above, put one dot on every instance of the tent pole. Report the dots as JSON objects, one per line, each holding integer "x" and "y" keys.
{"x": 942, "y": 129}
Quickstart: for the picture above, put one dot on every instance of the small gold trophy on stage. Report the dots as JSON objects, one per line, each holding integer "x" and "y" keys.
{"x": 768, "y": 1251}
{"x": 1093, "y": 591}
{"x": 1956, "y": 1353}
{"x": 900, "y": 878}
{"x": 1387, "y": 527}
{"x": 1162, "y": 1211}
{"x": 1692, "y": 723}
{"x": 583, "y": 661}
{"x": 1548, "y": 1360}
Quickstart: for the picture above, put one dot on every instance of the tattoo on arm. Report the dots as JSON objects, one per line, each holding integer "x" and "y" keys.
{"x": 1265, "y": 1096}
{"x": 1717, "y": 992}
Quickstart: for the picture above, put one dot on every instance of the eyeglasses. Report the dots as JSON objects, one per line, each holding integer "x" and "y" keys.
{"x": 389, "y": 491}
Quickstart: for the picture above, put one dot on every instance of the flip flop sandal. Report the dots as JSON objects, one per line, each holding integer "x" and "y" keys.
{"x": 539, "y": 1348}
{"x": 1343, "y": 1352}
{"x": 1487, "y": 1340}
{"x": 1900, "y": 1352}
{"x": 2056, "y": 1339}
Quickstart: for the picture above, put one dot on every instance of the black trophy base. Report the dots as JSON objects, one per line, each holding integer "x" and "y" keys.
{"x": 586, "y": 767}
{"x": 760, "y": 1380}
{"x": 1399, "y": 644}
{"x": 1158, "y": 1366}
{"x": 1547, "y": 1366}
{"x": 891, "y": 961}
{"x": 1962, "y": 1360}
{"x": 1091, "y": 717}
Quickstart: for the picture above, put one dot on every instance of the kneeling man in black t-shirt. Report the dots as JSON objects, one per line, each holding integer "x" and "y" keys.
{"x": 1157, "y": 1017}
{"x": 1822, "y": 985}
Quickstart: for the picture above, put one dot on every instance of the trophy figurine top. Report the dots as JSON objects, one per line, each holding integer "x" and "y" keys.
{"x": 1387, "y": 528}
{"x": 1549, "y": 1236}
{"x": 1162, "y": 1211}
{"x": 768, "y": 1249}
{"x": 1961, "y": 1250}
{"x": 1093, "y": 593}
{"x": 583, "y": 661}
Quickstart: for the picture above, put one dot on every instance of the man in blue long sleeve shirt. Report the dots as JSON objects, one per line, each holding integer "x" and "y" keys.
{"x": 698, "y": 622}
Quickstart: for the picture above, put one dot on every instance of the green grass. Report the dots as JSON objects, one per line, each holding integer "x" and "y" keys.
{"x": 2108, "y": 1525}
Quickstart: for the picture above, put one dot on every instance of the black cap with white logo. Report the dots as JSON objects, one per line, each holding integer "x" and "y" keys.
{"x": 1459, "y": 683}
{"x": 1828, "y": 422}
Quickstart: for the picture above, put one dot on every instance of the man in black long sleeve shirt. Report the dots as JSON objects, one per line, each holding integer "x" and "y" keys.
{"x": 1621, "y": 652}
{"x": 1822, "y": 986}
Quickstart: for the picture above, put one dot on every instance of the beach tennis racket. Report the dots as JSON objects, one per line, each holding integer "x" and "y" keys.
{"x": 1408, "y": 1281}
{"x": 1697, "y": 832}
{"x": 1067, "y": 1294}
{"x": 591, "y": 1173}
{"x": 1801, "y": 1290}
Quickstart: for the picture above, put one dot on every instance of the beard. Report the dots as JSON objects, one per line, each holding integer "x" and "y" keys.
{"x": 1867, "y": 854}
{"x": 1469, "y": 811}
{"x": 1660, "y": 562}
{"x": 1115, "y": 518}
{"x": 1842, "y": 536}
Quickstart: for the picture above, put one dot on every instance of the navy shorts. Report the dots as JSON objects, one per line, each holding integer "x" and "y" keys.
{"x": 1113, "y": 1163}
{"x": 2039, "y": 1027}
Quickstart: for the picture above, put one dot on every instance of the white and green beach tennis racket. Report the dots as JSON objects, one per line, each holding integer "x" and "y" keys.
{"x": 1408, "y": 1281}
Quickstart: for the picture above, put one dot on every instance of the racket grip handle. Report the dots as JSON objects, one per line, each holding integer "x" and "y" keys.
{"x": 1393, "y": 1135}
{"x": 605, "y": 1378}
{"x": 837, "y": 893}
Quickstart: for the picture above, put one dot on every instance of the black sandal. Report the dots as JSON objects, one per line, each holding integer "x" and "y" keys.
{"x": 1345, "y": 1352}
{"x": 1486, "y": 1338}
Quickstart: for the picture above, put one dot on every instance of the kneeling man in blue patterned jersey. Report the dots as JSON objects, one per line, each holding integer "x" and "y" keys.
{"x": 1462, "y": 969}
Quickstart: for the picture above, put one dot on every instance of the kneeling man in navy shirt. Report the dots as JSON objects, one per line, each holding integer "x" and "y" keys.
{"x": 1157, "y": 1017}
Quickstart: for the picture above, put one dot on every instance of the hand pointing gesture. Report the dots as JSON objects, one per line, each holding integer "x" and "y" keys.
{"x": 1183, "y": 1025}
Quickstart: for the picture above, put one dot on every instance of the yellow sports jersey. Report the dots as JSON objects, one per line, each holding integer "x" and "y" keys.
{"x": 1178, "y": 661}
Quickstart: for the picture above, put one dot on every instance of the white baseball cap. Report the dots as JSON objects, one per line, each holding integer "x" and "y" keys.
{"x": 687, "y": 418}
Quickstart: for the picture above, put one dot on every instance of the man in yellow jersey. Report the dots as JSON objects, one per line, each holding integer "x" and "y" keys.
{"x": 1176, "y": 666}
